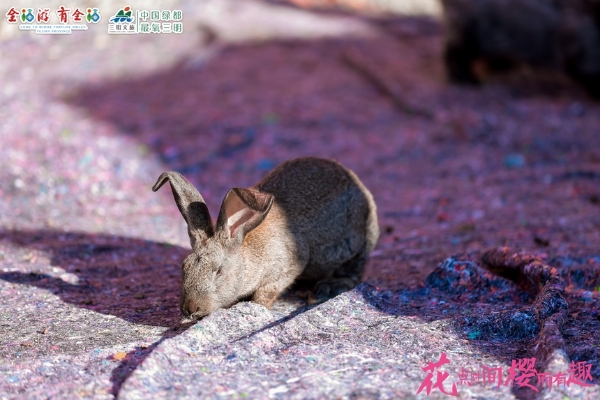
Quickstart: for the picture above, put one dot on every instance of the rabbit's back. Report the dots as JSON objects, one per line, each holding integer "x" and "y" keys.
{"x": 329, "y": 213}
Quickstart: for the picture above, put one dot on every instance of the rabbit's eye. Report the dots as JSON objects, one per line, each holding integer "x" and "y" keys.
{"x": 219, "y": 271}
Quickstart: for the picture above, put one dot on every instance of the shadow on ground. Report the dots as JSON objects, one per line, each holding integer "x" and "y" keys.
{"x": 132, "y": 279}
{"x": 256, "y": 104}
{"x": 247, "y": 107}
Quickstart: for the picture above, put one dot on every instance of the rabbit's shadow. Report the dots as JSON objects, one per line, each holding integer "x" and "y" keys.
{"x": 133, "y": 279}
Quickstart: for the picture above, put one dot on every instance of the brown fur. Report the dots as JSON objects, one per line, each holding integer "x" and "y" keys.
{"x": 309, "y": 219}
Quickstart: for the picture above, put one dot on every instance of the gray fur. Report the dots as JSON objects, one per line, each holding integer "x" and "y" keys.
{"x": 560, "y": 35}
{"x": 309, "y": 219}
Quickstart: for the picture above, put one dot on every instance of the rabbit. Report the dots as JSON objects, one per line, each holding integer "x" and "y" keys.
{"x": 309, "y": 219}
{"x": 558, "y": 35}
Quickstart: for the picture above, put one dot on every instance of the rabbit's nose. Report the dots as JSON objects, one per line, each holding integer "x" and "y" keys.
{"x": 189, "y": 307}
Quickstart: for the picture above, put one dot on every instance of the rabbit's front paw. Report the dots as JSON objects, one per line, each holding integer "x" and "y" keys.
{"x": 265, "y": 296}
{"x": 329, "y": 288}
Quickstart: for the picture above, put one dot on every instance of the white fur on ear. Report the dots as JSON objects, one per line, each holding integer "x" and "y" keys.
{"x": 237, "y": 213}
{"x": 243, "y": 209}
{"x": 238, "y": 219}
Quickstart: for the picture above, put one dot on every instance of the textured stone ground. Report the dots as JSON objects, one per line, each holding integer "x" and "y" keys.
{"x": 342, "y": 349}
{"x": 90, "y": 256}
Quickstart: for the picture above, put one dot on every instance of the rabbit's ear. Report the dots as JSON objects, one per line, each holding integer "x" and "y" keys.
{"x": 190, "y": 204}
{"x": 243, "y": 210}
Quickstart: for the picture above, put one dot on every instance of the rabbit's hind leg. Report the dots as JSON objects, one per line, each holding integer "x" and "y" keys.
{"x": 344, "y": 278}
